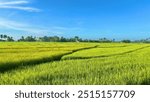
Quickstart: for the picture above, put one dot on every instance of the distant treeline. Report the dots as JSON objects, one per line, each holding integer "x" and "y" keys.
{"x": 4, "y": 38}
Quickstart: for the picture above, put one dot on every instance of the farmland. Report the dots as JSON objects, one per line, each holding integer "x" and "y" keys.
{"x": 40, "y": 63}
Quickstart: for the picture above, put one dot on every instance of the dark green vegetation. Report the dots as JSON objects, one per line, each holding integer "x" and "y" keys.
{"x": 5, "y": 38}
{"x": 74, "y": 63}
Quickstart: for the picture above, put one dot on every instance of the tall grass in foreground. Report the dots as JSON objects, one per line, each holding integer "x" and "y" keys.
{"x": 130, "y": 68}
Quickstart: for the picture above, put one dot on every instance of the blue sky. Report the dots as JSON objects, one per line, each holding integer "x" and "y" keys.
{"x": 120, "y": 19}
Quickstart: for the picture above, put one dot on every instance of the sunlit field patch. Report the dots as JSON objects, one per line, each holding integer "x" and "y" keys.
{"x": 84, "y": 64}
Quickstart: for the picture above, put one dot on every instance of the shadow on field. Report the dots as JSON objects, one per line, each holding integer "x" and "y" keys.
{"x": 16, "y": 65}
{"x": 146, "y": 82}
{"x": 73, "y": 58}
{"x": 5, "y": 67}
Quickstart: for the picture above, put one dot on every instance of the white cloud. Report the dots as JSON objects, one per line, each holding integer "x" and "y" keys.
{"x": 21, "y": 8}
{"x": 12, "y": 25}
{"x": 13, "y": 2}
{"x": 18, "y": 5}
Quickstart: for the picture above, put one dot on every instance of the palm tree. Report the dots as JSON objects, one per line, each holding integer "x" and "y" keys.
{"x": 1, "y": 36}
{"x": 5, "y": 36}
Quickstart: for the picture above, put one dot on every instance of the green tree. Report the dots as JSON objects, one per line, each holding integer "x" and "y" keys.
{"x": 30, "y": 39}
{"x": 126, "y": 41}
{"x": 76, "y": 38}
{"x": 1, "y": 36}
{"x": 5, "y": 36}
{"x": 10, "y": 38}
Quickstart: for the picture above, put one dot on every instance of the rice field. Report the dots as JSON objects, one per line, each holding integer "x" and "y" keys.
{"x": 23, "y": 63}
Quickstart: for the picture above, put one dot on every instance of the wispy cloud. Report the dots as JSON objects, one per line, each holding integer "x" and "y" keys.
{"x": 14, "y": 2}
{"x": 19, "y": 5}
{"x": 13, "y": 25}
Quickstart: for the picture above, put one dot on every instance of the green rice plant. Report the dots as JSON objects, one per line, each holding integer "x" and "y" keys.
{"x": 104, "y": 52}
{"x": 132, "y": 68}
{"x": 15, "y": 54}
